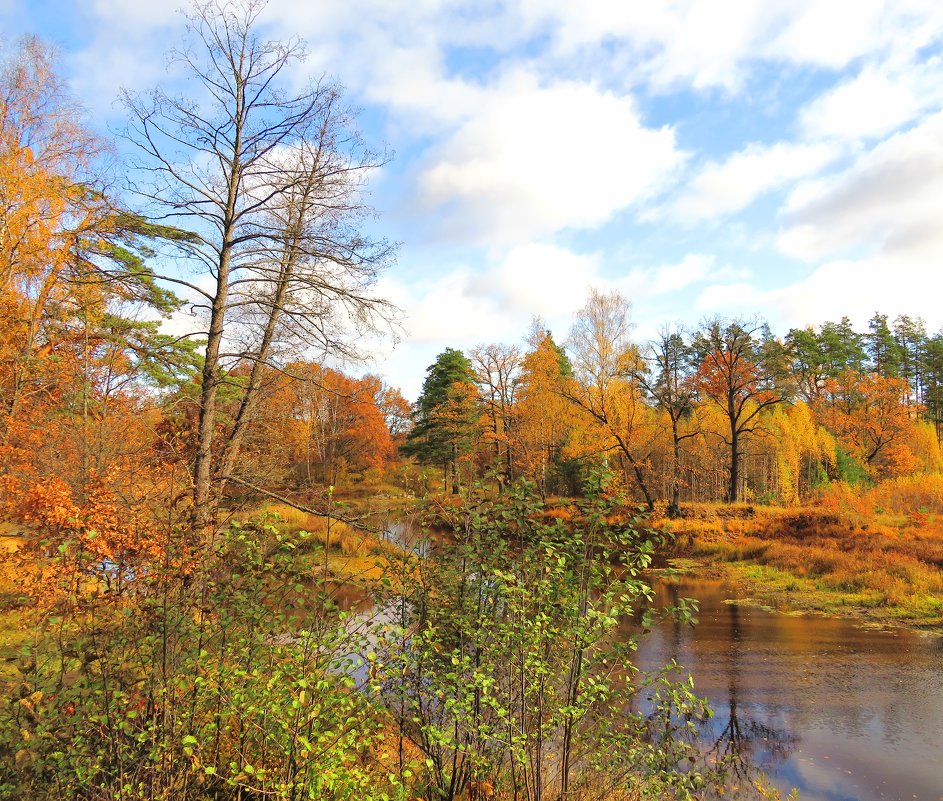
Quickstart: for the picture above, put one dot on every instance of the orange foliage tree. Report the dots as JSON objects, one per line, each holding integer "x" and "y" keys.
{"x": 542, "y": 418}
{"x": 497, "y": 369}
{"x": 868, "y": 414}
{"x": 325, "y": 423}
{"x": 76, "y": 418}
{"x": 738, "y": 377}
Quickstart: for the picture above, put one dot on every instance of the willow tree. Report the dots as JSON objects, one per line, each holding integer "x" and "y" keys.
{"x": 270, "y": 180}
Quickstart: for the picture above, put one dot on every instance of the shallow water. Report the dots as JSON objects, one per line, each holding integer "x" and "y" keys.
{"x": 840, "y": 712}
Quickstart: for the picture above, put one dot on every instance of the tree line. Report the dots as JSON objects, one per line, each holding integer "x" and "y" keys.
{"x": 724, "y": 411}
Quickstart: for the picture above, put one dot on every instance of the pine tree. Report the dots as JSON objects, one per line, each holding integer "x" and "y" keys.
{"x": 447, "y": 414}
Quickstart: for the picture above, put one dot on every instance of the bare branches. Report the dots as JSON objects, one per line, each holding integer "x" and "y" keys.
{"x": 273, "y": 184}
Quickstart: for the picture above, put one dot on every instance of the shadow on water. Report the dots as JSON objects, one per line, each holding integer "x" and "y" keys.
{"x": 840, "y": 712}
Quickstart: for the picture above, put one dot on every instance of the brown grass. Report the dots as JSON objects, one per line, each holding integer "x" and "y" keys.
{"x": 338, "y": 536}
{"x": 890, "y": 560}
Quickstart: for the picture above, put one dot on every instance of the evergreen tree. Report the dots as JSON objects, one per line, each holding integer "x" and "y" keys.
{"x": 933, "y": 377}
{"x": 446, "y": 416}
{"x": 842, "y": 347}
{"x": 883, "y": 351}
{"x": 807, "y": 362}
{"x": 911, "y": 336}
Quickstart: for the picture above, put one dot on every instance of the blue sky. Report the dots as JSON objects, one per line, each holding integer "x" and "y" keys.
{"x": 732, "y": 157}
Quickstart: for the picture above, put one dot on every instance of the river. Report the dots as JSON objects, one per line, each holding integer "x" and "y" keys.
{"x": 838, "y": 711}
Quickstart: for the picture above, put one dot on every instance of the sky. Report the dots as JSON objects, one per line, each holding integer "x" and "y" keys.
{"x": 733, "y": 157}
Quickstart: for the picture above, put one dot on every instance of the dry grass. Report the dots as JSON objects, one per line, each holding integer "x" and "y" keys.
{"x": 336, "y": 535}
{"x": 834, "y": 560}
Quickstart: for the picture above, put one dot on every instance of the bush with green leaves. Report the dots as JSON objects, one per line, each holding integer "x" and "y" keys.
{"x": 506, "y": 658}
{"x": 498, "y": 661}
{"x": 230, "y": 680}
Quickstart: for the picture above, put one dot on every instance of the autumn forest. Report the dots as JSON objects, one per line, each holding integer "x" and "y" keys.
{"x": 201, "y": 480}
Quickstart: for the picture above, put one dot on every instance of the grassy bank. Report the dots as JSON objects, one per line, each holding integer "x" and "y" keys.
{"x": 347, "y": 554}
{"x": 885, "y": 568}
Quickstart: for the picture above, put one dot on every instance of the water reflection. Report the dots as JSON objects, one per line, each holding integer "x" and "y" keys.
{"x": 838, "y": 711}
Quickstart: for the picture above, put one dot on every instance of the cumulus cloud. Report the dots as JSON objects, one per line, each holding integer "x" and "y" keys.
{"x": 537, "y": 279}
{"x": 888, "y": 201}
{"x": 875, "y": 102}
{"x": 855, "y": 288}
{"x": 725, "y": 187}
{"x": 696, "y": 43}
{"x": 536, "y": 159}
{"x": 727, "y": 298}
{"x": 642, "y": 284}
{"x": 716, "y": 44}
{"x": 858, "y": 288}
{"x": 468, "y": 306}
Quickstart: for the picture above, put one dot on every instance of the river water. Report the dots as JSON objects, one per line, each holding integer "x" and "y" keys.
{"x": 840, "y": 712}
{"x": 824, "y": 705}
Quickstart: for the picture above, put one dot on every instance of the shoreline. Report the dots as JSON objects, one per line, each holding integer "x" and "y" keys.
{"x": 817, "y": 562}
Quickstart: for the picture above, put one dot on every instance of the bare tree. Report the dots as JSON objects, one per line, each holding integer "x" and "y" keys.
{"x": 271, "y": 183}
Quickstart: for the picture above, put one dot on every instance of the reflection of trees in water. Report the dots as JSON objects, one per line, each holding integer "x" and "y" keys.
{"x": 746, "y": 746}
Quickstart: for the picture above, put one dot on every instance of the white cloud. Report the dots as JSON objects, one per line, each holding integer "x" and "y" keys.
{"x": 728, "y": 298}
{"x": 462, "y": 308}
{"x": 856, "y": 288}
{"x": 444, "y": 308}
{"x": 672, "y": 277}
{"x": 383, "y": 48}
{"x": 833, "y": 33}
{"x": 876, "y": 101}
{"x": 536, "y": 159}
{"x": 643, "y": 284}
{"x": 715, "y": 44}
{"x": 413, "y": 83}
{"x": 538, "y": 279}
{"x": 859, "y": 288}
{"x": 728, "y": 186}
{"x": 697, "y": 43}
{"x": 131, "y": 15}
{"x": 888, "y": 201}
{"x": 466, "y": 306}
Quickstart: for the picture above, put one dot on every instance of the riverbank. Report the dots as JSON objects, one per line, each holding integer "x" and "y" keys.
{"x": 886, "y": 570}
{"x": 883, "y": 568}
